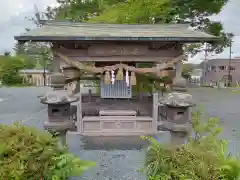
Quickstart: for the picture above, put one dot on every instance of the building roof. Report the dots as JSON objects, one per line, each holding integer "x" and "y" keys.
{"x": 221, "y": 59}
{"x": 64, "y": 30}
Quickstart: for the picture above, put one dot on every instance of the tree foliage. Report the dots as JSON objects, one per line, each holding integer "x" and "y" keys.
{"x": 7, "y": 53}
{"x": 27, "y": 153}
{"x": 9, "y": 70}
{"x": 187, "y": 69}
{"x": 34, "y": 54}
{"x": 204, "y": 157}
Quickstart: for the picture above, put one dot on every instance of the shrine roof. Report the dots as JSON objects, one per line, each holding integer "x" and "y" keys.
{"x": 73, "y": 31}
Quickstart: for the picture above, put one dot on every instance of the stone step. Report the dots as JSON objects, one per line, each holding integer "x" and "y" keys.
{"x": 117, "y": 113}
{"x": 117, "y": 118}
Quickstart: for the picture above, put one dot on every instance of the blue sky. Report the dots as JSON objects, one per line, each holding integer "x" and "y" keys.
{"x": 13, "y": 22}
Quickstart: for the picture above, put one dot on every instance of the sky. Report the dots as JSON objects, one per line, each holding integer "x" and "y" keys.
{"x": 13, "y": 22}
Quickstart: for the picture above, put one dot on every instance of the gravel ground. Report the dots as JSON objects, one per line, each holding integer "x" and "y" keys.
{"x": 224, "y": 104}
{"x": 22, "y": 104}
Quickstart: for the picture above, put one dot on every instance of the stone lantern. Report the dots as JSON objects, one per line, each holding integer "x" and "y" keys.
{"x": 59, "y": 107}
{"x": 178, "y": 115}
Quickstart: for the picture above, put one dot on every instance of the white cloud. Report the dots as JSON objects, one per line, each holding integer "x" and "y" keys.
{"x": 12, "y": 19}
{"x": 12, "y": 7}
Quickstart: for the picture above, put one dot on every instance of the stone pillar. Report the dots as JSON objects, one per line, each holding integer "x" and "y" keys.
{"x": 179, "y": 83}
{"x": 63, "y": 137}
{"x": 77, "y": 90}
{"x": 56, "y": 64}
{"x": 178, "y": 69}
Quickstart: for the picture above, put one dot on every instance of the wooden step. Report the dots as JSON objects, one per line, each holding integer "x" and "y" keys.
{"x": 117, "y": 113}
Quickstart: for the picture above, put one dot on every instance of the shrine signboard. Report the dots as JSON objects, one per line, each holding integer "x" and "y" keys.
{"x": 118, "y": 50}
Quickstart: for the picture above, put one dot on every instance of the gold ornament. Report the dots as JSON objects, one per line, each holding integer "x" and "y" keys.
{"x": 119, "y": 74}
{"x": 107, "y": 78}
{"x": 133, "y": 80}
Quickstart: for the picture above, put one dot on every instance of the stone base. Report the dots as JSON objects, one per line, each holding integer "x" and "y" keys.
{"x": 119, "y": 142}
{"x": 58, "y": 126}
{"x": 169, "y": 126}
{"x": 179, "y": 89}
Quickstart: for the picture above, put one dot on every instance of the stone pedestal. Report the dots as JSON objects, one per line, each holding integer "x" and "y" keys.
{"x": 178, "y": 138}
{"x": 179, "y": 83}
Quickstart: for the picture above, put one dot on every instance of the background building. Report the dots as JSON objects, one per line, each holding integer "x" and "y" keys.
{"x": 217, "y": 70}
{"x": 196, "y": 74}
{"x": 195, "y": 80}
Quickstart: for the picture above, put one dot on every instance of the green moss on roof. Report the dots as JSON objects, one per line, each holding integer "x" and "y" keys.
{"x": 54, "y": 30}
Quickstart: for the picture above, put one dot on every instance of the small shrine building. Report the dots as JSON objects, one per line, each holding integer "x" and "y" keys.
{"x": 111, "y": 53}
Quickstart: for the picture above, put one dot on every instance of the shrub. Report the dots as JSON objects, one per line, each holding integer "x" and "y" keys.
{"x": 204, "y": 157}
{"x": 9, "y": 70}
{"x": 29, "y": 154}
{"x": 11, "y": 78}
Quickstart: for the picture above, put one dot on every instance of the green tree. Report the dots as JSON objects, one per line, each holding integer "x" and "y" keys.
{"x": 34, "y": 54}
{"x": 20, "y": 51}
{"x": 9, "y": 70}
{"x": 7, "y": 53}
{"x": 187, "y": 69}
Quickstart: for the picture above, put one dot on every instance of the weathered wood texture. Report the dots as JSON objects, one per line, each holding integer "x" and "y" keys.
{"x": 120, "y": 53}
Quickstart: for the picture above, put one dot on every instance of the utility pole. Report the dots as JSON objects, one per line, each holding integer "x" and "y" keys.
{"x": 204, "y": 64}
{"x": 229, "y": 65}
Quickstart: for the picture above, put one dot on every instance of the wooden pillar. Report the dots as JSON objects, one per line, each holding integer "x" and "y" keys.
{"x": 155, "y": 112}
